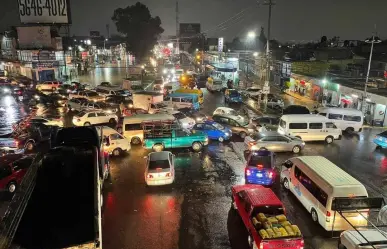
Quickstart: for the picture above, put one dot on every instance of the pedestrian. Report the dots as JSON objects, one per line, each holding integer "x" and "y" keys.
{"x": 122, "y": 108}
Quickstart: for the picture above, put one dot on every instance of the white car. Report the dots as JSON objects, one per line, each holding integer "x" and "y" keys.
{"x": 185, "y": 122}
{"x": 117, "y": 143}
{"x": 85, "y": 118}
{"x": 226, "y": 110}
{"x": 160, "y": 168}
{"x": 76, "y": 103}
{"x": 48, "y": 121}
{"x": 252, "y": 92}
{"x": 89, "y": 95}
{"x": 214, "y": 85}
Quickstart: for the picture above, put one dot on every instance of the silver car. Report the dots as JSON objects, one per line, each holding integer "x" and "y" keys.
{"x": 275, "y": 142}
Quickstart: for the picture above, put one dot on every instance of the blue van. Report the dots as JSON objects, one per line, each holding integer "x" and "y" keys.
{"x": 182, "y": 100}
{"x": 260, "y": 168}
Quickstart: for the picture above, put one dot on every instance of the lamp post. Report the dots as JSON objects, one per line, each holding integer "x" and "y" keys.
{"x": 372, "y": 40}
{"x": 250, "y": 36}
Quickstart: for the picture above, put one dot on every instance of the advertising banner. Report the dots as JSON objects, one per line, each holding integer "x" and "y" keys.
{"x": 220, "y": 44}
{"x": 43, "y": 55}
{"x": 34, "y": 37}
{"x": 44, "y": 11}
{"x": 45, "y": 64}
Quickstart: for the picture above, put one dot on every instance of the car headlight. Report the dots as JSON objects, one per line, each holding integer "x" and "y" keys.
{"x": 173, "y": 71}
{"x": 303, "y": 143}
{"x": 36, "y": 97}
{"x": 165, "y": 71}
{"x": 199, "y": 119}
{"x": 226, "y": 133}
{"x": 60, "y": 101}
{"x": 109, "y": 111}
{"x": 6, "y": 90}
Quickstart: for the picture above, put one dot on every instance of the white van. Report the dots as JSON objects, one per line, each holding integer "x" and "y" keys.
{"x": 309, "y": 127}
{"x": 117, "y": 143}
{"x": 316, "y": 182}
{"x": 133, "y": 130}
{"x": 346, "y": 119}
{"x": 178, "y": 102}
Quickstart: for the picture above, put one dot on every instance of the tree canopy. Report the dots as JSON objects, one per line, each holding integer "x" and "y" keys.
{"x": 139, "y": 28}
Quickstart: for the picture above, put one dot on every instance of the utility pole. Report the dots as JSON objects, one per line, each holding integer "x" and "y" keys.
{"x": 177, "y": 28}
{"x": 266, "y": 88}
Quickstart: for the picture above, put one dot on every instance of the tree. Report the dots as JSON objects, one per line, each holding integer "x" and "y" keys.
{"x": 324, "y": 39}
{"x": 139, "y": 28}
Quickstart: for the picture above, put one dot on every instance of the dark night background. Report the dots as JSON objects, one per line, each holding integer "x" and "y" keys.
{"x": 292, "y": 19}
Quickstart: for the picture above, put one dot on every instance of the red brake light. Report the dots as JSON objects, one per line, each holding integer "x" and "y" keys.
{"x": 328, "y": 214}
{"x": 259, "y": 166}
{"x": 149, "y": 176}
{"x": 19, "y": 93}
{"x": 248, "y": 172}
{"x": 158, "y": 169}
{"x": 271, "y": 174}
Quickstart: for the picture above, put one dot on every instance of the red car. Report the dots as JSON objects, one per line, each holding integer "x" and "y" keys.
{"x": 264, "y": 217}
{"x": 13, "y": 167}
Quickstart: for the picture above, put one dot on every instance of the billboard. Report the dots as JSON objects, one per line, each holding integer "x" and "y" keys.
{"x": 189, "y": 29}
{"x": 34, "y": 37}
{"x": 44, "y": 11}
{"x": 220, "y": 44}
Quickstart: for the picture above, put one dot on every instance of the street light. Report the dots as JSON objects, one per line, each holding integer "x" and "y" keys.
{"x": 372, "y": 40}
{"x": 170, "y": 45}
{"x": 70, "y": 48}
{"x": 251, "y": 34}
{"x": 255, "y": 54}
{"x": 88, "y": 42}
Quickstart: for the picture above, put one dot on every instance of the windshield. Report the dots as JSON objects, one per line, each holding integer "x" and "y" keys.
{"x": 136, "y": 87}
{"x": 159, "y": 164}
{"x": 218, "y": 126}
{"x": 242, "y": 121}
{"x": 234, "y": 93}
{"x": 179, "y": 115}
{"x": 92, "y": 94}
{"x": 81, "y": 114}
{"x": 268, "y": 210}
{"x": 232, "y": 112}
{"x": 160, "y": 105}
{"x": 260, "y": 161}
{"x": 253, "y": 89}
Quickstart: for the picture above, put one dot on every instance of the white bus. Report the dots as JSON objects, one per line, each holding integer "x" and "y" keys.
{"x": 133, "y": 130}
{"x": 316, "y": 182}
{"x": 309, "y": 127}
{"x": 346, "y": 119}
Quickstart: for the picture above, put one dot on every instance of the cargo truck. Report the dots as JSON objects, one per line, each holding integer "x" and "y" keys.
{"x": 58, "y": 204}
{"x": 149, "y": 101}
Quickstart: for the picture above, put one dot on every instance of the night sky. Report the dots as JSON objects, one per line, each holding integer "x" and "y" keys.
{"x": 298, "y": 20}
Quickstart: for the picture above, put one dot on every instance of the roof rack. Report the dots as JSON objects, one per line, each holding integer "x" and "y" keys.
{"x": 343, "y": 205}
{"x": 159, "y": 128}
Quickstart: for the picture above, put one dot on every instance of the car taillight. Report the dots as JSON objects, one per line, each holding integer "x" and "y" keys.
{"x": 248, "y": 172}
{"x": 302, "y": 244}
{"x": 19, "y": 93}
{"x": 271, "y": 174}
{"x": 259, "y": 166}
{"x": 261, "y": 245}
{"x": 328, "y": 216}
{"x": 149, "y": 176}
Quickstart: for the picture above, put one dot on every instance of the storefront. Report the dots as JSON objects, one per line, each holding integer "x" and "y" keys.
{"x": 302, "y": 85}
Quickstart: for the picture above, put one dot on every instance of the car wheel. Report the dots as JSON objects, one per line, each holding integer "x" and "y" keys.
{"x": 296, "y": 149}
{"x": 112, "y": 121}
{"x": 117, "y": 152}
{"x": 158, "y": 147}
{"x": 242, "y": 134}
{"x": 349, "y": 130}
{"x": 286, "y": 184}
{"x": 86, "y": 124}
{"x": 220, "y": 139}
{"x": 314, "y": 215}
{"x": 12, "y": 187}
{"x": 53, "y": 89}
{"x": 196, "y": 146}
{"x": 136, "y": 140}
{"x": 30, "y": 146}
{"x": 329, "y": 139}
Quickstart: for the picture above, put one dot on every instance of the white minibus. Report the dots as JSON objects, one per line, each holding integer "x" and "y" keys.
{"x": 316, "y": 182}
{"x": 133, "y": 130}
{"x": 346, "y": 119}
{"x": 309, "y": 127}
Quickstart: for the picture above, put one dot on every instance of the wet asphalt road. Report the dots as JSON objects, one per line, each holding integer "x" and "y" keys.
{"x": 194, "y": 212}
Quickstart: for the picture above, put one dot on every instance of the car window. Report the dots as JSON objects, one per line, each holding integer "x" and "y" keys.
{"x": 265, "y": 161}
{"x": 116, "y": 136}
{"x": 23, "y": 163}
{"x": 352, "y": 118}
{"x": 323, "y": 114}
{"x": 101, "y": 114}
{"x": 175, "y": 99}
{"x": 159, "y": 164}
{"x": 133, "y": 127}
{"x": 335, "y": 116}
{"x": 91, "y": 115}
{"x": 181, "y": 133}
{"x": 264, "y": 121}
{"x": 269, "y": 139}
{"x": 315, "y": 125}
{"x": 233, "y": 122}
{"x": 218, "y": 126}
{"x": 298, "y": 126}
{"x": 5, "y": 171}
{"x": 167, "y": 98}
{"x": 282, "y": 139}
{"x": 209, "y": 127}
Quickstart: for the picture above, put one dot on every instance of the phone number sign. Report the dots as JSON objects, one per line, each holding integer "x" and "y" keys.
{"x": 44, "y": 11}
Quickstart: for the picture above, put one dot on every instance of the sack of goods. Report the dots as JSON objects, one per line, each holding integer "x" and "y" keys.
{"x": 274, "y": 227}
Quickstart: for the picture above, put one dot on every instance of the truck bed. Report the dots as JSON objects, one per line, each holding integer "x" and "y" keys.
{"x": 60, "y": 212}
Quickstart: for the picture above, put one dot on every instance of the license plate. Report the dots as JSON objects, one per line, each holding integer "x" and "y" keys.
{"x": 259, "y": 175}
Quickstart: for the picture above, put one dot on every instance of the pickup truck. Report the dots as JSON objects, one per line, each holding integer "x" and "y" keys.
{"x": 169, "y": 138}
{"x": 69, "y": 175}
{"x": 263, "y": 214}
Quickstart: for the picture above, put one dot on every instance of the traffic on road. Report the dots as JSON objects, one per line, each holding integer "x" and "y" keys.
{"x": 167, "y": 163}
